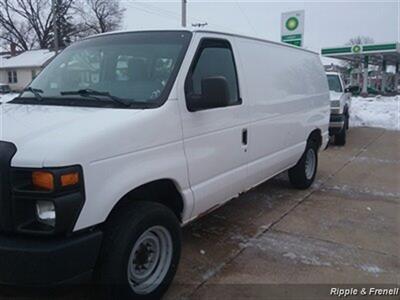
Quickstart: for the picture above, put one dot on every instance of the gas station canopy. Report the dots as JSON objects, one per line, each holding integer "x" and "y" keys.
{"x": 377, "y": 54}
{"x": 380, "y": 55}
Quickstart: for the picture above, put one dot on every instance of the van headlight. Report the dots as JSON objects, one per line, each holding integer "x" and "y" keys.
{"x": 47, "y": 201}
{"x": 46, "y": 212}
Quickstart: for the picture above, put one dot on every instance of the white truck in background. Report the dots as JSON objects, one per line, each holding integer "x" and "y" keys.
{"x": 125, "y": 137}
{"x": 340, "y": 108}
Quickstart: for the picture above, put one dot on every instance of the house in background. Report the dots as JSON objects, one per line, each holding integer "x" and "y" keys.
{"x": 18, "y": 71}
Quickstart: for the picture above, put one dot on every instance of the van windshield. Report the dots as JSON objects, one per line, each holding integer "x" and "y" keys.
{"x": 126, "y": 69}
{"x": 334, "y": 83}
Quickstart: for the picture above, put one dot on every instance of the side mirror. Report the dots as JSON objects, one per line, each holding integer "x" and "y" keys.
{"x": 214, "y": 93}
{"x": 352, "y": 89}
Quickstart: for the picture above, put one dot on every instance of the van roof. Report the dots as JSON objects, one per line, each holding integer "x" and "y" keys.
{"x": 206, "y": 31}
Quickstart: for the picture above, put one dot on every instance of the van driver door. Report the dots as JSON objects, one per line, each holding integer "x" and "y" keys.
{"x": 215, "y": 139}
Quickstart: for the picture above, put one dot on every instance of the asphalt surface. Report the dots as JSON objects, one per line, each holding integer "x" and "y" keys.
{"x": 276, "y": 242}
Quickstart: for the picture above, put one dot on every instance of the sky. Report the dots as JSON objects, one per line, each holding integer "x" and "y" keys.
{"x": 327, "y": 23}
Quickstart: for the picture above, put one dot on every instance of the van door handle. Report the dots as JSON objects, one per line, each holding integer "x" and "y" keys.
{"x": 244, "y": 136}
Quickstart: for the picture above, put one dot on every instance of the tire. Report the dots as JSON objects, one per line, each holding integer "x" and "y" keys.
{"x": 340, "y": 138}
{"x": 347, "y": 121}
{"x": 142, "y": 243}
{"x": 302, "y": 175}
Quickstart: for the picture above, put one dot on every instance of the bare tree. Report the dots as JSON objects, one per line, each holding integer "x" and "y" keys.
{"x": 360, "y": 40}
{"x": 29, "y": 23}
{"x": 357, "y": 40}
{"x": 12, "y": 29}
{"x": 101, "y": 15}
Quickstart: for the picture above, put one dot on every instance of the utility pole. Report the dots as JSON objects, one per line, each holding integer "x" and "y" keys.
{"x": 55, "y": 24}
{"x": 184, "y": 4}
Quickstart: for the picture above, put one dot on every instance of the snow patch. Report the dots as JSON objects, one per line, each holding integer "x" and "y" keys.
{"x": 377, "y": 160}
{"x": 211, "y": 272}
{"x": 32, "y": 58}
{"x": 382, "y": 112}
{"x": 307, "y": 259}
{"x": 290, "y": 255}
{"x": 373, "y": 269}
{"x": 7, "y": 97}
{"x": 363, "y": 190}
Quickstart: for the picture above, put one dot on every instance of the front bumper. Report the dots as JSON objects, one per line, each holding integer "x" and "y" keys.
{"x": 34, "y": 262}
{"x": 336, "y": 123}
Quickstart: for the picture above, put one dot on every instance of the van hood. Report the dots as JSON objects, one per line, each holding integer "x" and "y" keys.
{"x": 59, "y": 135}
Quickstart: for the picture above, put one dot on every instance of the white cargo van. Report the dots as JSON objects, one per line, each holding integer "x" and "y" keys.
{"x": 125, "y": 137}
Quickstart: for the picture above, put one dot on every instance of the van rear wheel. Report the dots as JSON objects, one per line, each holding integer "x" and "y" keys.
{"x": 141, "y": 252}
{"x": 302, "y": 175}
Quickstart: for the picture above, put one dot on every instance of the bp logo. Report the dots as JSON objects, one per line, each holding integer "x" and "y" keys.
{"x": 356, "y": 49}
{"x": 292, "y": 23}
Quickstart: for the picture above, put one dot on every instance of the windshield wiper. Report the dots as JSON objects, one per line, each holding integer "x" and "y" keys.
{"x": 35, "y": 92}
{"x": 93, "y": 93}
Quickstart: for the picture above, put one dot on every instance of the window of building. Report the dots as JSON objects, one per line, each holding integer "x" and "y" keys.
{"x": 12, "y": 76}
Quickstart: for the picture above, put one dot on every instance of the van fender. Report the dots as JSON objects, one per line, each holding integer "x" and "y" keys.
{"x": 109, "y": 180}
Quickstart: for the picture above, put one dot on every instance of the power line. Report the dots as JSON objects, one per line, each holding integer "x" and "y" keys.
{"x": 246, "y": 18}
{"x": 151, "y": 11}
{"x": 152, "y": 7}
{"x": 165, "y": 11}
{"x": 168, "y": 14}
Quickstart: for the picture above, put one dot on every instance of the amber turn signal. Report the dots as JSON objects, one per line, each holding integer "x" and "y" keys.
{"x": 43, "y": 180}
{"x": 69, "y": 179}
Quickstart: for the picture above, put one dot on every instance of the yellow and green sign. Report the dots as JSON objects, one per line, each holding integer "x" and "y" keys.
{"x": 356, "y": 49}
{"x": 292, "y": 23}
{"x": 292, "y": 28}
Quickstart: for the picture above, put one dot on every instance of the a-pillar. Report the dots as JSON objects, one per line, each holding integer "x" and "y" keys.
{"x": 364, "y": 91}
{"x": 383, "y": 83}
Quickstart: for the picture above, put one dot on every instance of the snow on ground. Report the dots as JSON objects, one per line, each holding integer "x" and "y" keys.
{"x": 383, "y": 112}
{"x": 7, "y": 97}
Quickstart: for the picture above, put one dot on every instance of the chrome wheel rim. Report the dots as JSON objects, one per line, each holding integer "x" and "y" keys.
{"x": 310, "y": 163}
{"x": 150, "y": 260}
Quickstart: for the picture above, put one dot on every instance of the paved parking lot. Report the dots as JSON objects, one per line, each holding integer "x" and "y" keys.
{"x": 345, "y": 230}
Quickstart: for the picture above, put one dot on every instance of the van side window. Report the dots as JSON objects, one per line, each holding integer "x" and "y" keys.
{"x": 213, "y": 58}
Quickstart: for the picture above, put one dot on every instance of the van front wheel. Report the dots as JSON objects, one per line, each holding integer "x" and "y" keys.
{"x": 302, "y": 175}
{"x": 141, "y": 252}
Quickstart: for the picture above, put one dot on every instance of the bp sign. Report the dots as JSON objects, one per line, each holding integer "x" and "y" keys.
{"x": 292, "y": 23}
{"x": 292, "y": 28}
{"x": 356, "y": 49}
